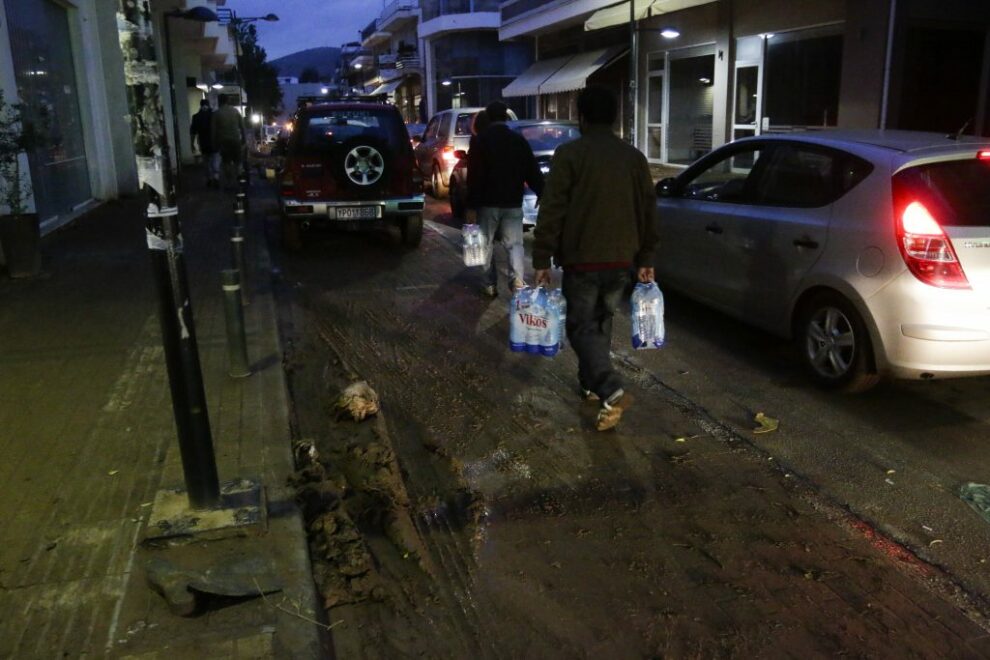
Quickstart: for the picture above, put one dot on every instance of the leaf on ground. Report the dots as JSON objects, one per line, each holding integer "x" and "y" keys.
{"x": 766, "y": 424}
{"x": 112, "y": 472}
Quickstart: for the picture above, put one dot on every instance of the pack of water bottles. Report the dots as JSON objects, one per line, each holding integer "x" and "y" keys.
{"x": 475, "y": 245}
{"x": 647, "y": 316}
{"x": 536, "y": 321}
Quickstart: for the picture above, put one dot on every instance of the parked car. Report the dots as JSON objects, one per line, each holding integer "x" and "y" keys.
{"x": 870, "y": 249}
{"x": 544, "y": 136}
{"x": 350, "y": 165}
{"x": 448, "y": 131}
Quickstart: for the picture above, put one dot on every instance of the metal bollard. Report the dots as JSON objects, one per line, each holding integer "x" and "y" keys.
{"x": 240, "y": 210}
{"x": 234, "y": 313}
{"x": 237, "y": 261}
{"x": 242, "y": 192}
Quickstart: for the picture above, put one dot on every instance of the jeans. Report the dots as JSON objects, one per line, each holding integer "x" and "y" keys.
{"x": 592, "y": 298}
{"x": 212, "y": 165}
{"x": 509, "y": 222}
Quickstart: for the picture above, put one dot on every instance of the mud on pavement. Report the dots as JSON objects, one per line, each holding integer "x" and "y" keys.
{"x": 480, "y": 515}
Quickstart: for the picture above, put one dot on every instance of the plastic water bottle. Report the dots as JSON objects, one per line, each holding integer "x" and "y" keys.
{"x": 647, "y": 316}
{"x": 474, "y": 245}
{"x": 554, "y": 340}
{"x": 518, "y": 307}
{"x": 536, "y": 320}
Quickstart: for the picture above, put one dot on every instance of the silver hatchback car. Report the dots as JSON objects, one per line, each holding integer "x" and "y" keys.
{"x": 870, "y": 248}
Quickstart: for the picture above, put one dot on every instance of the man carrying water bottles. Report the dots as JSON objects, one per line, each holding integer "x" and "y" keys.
{"x": 597, "y": 219}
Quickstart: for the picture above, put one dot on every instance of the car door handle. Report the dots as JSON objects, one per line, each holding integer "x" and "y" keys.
{"x": 713, "y": 229}
{"x": 805, "y": 243}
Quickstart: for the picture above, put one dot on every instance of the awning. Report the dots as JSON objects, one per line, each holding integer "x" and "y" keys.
{"x": 574, "y": 74}
{"x": 386, "y": 88}
{"x": 619, "y": 14}
{"x": 528, "y": 84}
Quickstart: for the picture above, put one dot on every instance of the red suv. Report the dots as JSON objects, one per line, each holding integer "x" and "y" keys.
{"x": 350, "y": 165}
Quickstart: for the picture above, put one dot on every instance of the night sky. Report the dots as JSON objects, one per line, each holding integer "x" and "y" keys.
{"x": 307, "y": 23}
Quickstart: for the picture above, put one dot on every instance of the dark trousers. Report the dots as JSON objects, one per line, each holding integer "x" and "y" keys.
{"x": 592, "y": 298}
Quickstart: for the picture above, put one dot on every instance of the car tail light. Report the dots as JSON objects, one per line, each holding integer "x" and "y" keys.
{"x": 288, "y": 188}
{"x": 926, "y": 249}
{"x": 448, "y": 155}
{"x": 983, "y": 155}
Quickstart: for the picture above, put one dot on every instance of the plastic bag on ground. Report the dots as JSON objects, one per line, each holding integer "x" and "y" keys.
{"x": 647, "y": 316}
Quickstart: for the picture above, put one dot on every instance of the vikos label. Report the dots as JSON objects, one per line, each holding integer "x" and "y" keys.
{"x": 647, "y": 316}
{"x": 534, "y": 321}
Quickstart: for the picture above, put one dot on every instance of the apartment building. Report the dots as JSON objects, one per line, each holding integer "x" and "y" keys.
{"x": 390, "y": 61}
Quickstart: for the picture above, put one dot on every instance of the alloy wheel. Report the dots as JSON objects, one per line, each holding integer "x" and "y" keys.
{"x": 364, "y": 165}
{"x": 830, "y": 342}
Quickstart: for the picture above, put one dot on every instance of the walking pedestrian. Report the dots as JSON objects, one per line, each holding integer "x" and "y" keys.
{"x": 227, "y": 130}
{"x": 597, "y": 218}
{"x": 500, "y": 165}
{"x": 201, "y": 134}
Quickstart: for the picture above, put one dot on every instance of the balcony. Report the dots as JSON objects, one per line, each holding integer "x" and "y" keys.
{"x": 435, "y": 8}
{"x": 373, "y": 35}
{"x": 397, "y": 14}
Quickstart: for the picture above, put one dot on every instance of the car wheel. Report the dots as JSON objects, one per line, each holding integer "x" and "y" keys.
{"x": 834, "y": 345}
{"x": 291, "y": 233}
{"x": 412, "y": 230}
{"x": 362, "y": 164}
{"x": 436, "y": 183}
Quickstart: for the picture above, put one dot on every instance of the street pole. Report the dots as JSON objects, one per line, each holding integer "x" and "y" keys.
{"x": 171, "y": 85}
{"x": 633, "y": 69}
{"x": 164, "y": 237}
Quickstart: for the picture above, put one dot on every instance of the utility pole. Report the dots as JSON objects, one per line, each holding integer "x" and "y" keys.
{"x": 633, "y": 70}
{"x": 164, "y": 236}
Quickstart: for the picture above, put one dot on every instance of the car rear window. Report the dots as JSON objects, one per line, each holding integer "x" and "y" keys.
{"x": 547, "y": 137}
{"x": 463, "y": 124}
{"x": 956, "y": 191}
{"x": 319, "y": 133}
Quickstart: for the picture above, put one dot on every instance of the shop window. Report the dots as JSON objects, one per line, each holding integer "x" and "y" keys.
{"x": 802, "y": 80}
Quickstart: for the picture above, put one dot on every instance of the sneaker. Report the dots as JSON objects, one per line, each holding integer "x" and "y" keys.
{"x": 516, "y": 285}
{"x": 489, "y": 291}
{"x": 611, "y": 411}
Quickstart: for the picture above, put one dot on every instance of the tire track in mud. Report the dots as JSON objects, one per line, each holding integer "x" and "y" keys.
{"x": 385, "y": 352}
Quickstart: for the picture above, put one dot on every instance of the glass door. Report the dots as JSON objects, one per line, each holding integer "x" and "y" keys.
{"x": 748, "y": 102}
{"x": 655, "y": 108}
{"x": 690, "y": 105}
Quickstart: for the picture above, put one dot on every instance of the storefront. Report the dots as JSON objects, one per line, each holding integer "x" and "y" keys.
{"x": 45, "y": 75}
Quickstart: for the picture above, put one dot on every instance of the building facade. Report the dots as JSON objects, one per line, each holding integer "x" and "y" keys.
{"x": 392, "y": 67}
{"x": 62, "y": 61}
{"x": 709, "y": 71}
{"x": 466, "y": 64}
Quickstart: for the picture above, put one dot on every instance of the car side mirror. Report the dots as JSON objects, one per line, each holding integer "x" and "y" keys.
{"x": 460, "y": 153}
{"x": 665, "y": 188}
{"x": 417, "y": 138}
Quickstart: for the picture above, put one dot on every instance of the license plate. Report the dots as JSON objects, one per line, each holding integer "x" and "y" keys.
{"x": 358, "y": 212}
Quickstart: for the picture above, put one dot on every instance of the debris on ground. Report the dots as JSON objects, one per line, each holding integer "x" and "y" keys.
{"x": 188, "y": 592}
{"x": 358, "y": 401}
{"x": 766, "y": 424}
{"x": 978, "y": 497}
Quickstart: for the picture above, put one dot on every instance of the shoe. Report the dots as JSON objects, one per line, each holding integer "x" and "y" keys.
{"x": 611, "y": 411}
{"x": 516, "y": 285}
{"x": 589, "y": 395}
{"x": 489, "y": 291}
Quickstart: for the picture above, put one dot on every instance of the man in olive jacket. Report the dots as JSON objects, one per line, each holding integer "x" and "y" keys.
{"x": 597, "y": 219}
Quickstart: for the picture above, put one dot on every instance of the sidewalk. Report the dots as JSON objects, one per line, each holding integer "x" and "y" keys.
{"x": 87, "y": 439}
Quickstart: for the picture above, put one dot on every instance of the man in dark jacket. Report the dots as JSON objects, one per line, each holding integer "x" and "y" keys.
{"x": 500, "y": 165}
{"x": 201, "y": 134}
{"x": 597, "y": 219}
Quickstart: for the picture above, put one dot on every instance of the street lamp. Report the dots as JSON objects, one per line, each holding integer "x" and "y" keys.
{"x": 229, "y": 18}
{"x": 197, "y": 15}
{"x": 456, "y": 102}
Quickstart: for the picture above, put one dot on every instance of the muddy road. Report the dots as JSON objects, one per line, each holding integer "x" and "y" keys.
{"x": 480, "y": 515}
